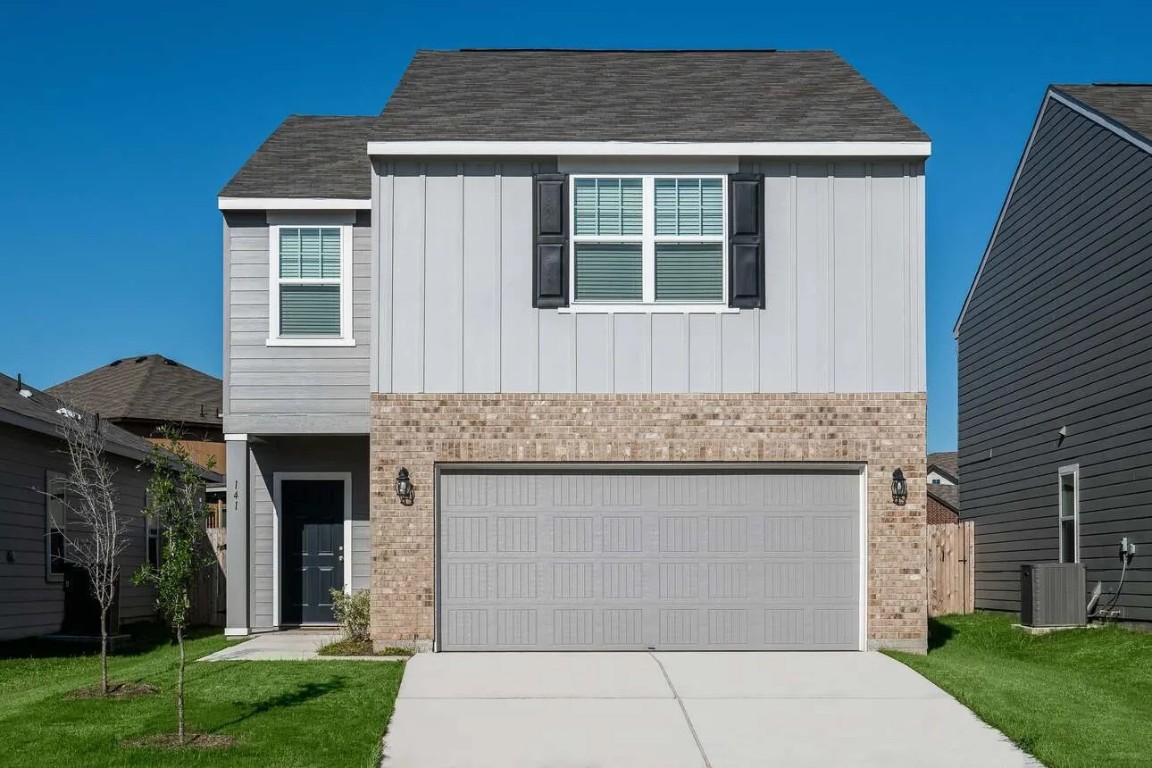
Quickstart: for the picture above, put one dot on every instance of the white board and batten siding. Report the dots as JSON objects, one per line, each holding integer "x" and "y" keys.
{"x": 845, "y": 291}
{"x": 285, "y": 389}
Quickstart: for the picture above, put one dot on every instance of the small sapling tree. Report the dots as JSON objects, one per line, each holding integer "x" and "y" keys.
{"x": 177, "y": 502}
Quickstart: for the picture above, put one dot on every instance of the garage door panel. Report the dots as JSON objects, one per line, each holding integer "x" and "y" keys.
{"x": 648, "y": 559}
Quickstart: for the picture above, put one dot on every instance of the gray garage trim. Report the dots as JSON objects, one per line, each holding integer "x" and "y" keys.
{"x": 650, "y": 556}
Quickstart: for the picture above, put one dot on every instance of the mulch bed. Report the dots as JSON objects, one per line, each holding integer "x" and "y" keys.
{"x": 116, "y": 691}
{"x": 191, "y": 741}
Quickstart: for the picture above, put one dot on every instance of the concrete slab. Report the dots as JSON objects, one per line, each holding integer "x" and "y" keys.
{"x": 530, "y": 733}
{"x": 865, "y": 733}
{"x": 293, "y": 645}
{"x": 638, "y": 709}
{"x": 533, "y": 676}
{"x": 790, "y": 675}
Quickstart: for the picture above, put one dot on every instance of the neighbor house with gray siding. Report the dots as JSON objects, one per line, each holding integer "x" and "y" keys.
{"x": 1055, "y": 354}
{"x": 35, "y": 521}
{"x": 583, "y": 350}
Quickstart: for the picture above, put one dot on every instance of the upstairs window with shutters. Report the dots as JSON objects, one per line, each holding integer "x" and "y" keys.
{"x": 310, "y": 293}
{"x": 649, "y": 240}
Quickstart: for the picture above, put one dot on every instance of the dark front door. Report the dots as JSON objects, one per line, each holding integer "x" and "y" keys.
{"x": 311, "y": 549}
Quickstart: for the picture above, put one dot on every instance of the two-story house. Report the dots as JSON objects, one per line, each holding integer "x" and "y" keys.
{"x": 1053, "y": 347}
{"x": 585, "y": 350}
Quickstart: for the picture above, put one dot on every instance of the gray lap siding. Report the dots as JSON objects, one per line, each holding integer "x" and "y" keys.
{"x": 30, "y": 604}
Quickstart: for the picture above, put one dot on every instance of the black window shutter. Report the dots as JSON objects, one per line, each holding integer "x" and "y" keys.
{"x": 746, "y": 241}
{"x": 550, "y": 244}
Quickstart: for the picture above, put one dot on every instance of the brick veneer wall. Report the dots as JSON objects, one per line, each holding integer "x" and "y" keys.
{"x": 939, "y": 513}
{"x": 418, "y": 431}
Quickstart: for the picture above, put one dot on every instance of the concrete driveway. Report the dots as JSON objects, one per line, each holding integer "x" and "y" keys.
{"x": 682, "y": 710}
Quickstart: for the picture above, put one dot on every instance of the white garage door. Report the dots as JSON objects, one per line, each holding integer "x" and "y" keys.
{"x": 634, "y": 559}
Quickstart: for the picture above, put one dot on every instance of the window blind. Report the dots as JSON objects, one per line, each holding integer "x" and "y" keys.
{"x": 310, "y": 253}
{"x": 609, "y": 272}
{"x": 607, "y": 207}
{"x": 689, "y": 272}
{"x": 686, "y": 207}
{"x": 310, "y": 310}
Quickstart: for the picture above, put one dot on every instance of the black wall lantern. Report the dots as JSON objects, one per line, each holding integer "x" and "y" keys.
{"x": 899, "y": 487}
{"x": 404, "y": 490}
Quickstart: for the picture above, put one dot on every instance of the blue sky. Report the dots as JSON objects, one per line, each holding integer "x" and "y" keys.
{"x": 121, "y": 122}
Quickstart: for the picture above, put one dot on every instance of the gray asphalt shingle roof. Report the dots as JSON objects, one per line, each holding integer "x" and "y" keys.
{"x": 309, "y": 156}
{"x": 146, "y": 388}
{"x": 1127, "y": 103}
{"x": 573, "y": 95}
{"x": 948, "y": 495}
{"x": 39, "y": 412}
{"x": 706, "y": 96}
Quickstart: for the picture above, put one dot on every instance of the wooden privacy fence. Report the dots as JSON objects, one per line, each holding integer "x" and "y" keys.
{"x": 951, "y": 566}
{"x": 209, "y": 597}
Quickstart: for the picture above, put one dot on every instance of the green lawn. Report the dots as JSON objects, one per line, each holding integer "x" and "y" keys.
{"x": 1073, "y": 699}
{"x": 285, "y": 713}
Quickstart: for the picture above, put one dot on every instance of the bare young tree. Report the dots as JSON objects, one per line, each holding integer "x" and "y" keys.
{"x": 97, "y": 533}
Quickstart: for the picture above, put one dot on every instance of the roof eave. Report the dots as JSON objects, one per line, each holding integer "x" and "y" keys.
{"x": 908, "y": 149}
{"x": 293, "y": 204}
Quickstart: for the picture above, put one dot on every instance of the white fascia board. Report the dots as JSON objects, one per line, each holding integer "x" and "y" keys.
{"x": 653, "y": 148}
{"x": 292, "y": 204}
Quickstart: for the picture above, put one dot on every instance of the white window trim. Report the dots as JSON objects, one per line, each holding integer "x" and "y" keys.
{"x": 54, "y": 485}
{"x": 277, "y": 480}
{"x": 1074, "y": 471}
{"x": 345, "y": 339}
{"x": 648, "y": 242}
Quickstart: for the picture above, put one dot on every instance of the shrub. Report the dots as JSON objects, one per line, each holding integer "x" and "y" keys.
{"x": 352, "y": 611}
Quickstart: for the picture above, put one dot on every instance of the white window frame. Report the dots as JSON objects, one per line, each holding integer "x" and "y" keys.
{"x": 275, "y": 224}
{"x": 55, "y": 485}
{"x": 1072, "y": 470}
{"x": 647, "y": 241}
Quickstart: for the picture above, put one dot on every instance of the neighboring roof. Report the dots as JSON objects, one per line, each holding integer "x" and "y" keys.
{"x": 1129, "y": 104}
{"x": 948, "y": 495}
{"x": 1123, "y": 108}
{"x": 633, "y": 95}
{"x": 38, "y": 412}
{"x": 946, "y": 462}
{"x": 147, "y": 388}
{"x": 309, "y": 157}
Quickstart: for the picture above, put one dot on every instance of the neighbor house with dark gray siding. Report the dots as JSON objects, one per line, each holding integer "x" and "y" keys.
{"x": 1055, "y": 355}
{"x": 643, "y": 330}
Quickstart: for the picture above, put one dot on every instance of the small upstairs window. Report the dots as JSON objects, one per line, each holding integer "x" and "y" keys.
{"x": 310, "y": 286}
{"x": 649, "y": 240}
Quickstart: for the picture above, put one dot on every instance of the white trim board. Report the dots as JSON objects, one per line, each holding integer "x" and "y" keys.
{"x": 1051, "y": 95}
{"x": 292, "y": 204}
{"x": 277, "y": 479}
{"x": 663, "y": 149}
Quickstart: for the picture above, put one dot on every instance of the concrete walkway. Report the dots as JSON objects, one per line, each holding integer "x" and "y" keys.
{"x": 682, "y": 710}
{"x": 289, "y": 645}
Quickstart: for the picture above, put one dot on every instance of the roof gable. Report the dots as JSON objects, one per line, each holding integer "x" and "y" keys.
{"x": 309, "y": 156}
{"x": 146, "y": 388}
{"x": 1133, "y": 102}
{"x": 946, "y": 463}
{"x": 640, "y": 96}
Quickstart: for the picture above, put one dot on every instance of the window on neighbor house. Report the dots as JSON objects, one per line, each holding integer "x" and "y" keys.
{"x": 648, "y": 239}
{"x": 1069, "y": 504}
{"x": 55, "y": 527}
{"x": 152, "y": 540}
{"x": 311, "y": 292}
